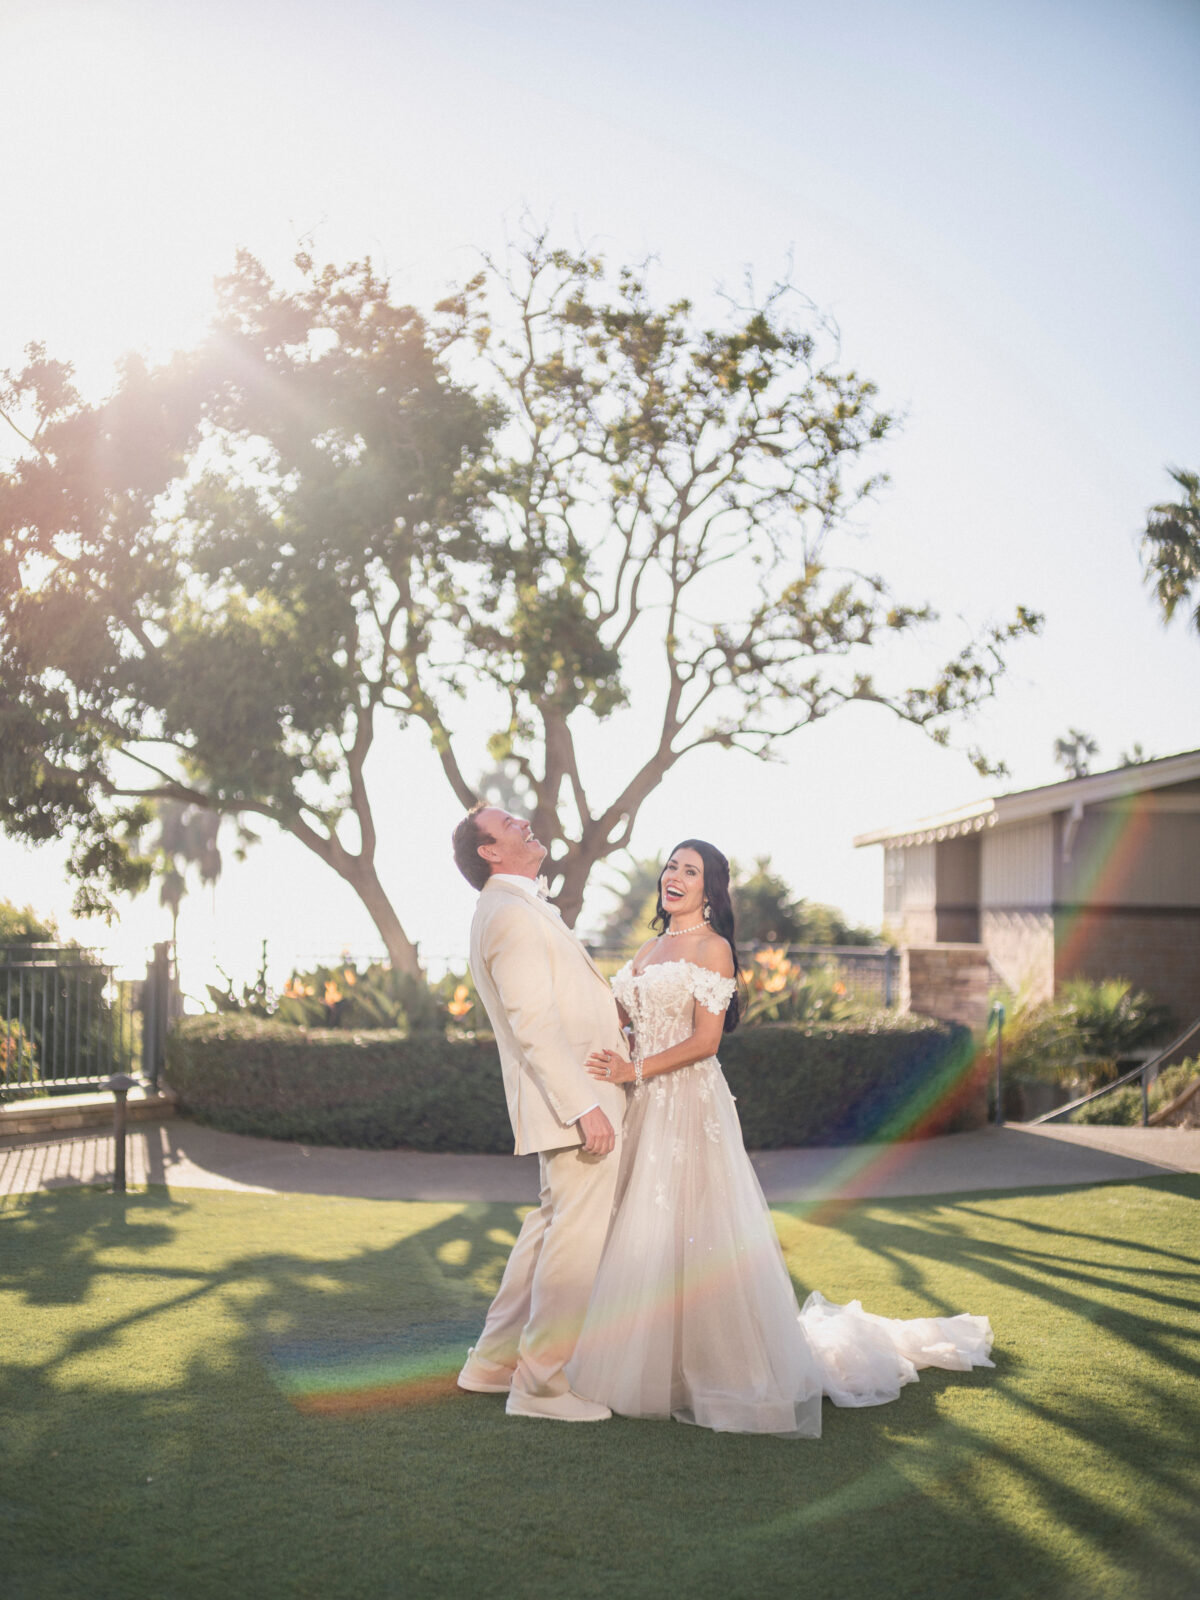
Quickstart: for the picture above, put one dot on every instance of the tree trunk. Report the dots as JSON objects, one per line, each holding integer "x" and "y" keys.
{"x": 575, "y": 867}
{"x": 402, "y": 952}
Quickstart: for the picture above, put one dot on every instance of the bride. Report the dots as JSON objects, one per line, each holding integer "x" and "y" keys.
{"x": 693, "y": 1314}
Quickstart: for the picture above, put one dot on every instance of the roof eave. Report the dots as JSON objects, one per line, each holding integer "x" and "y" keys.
{"x": 1026, "y": 804}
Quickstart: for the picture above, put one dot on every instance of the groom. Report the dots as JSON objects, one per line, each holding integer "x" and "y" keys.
{"x": 549, "y": 1008}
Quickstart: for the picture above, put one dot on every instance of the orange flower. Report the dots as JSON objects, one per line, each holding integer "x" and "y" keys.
{"x": 332, "y": 993}
{"x": 461, "y": 1003}
{"x": 776, "y": 960}
{"x": 350, "y": 976}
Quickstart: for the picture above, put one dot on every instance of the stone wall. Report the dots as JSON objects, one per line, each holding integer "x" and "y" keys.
{"x": 949, "y": 981}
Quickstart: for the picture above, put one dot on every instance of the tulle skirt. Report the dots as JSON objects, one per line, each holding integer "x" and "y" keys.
{"x": 693, "y": 1314}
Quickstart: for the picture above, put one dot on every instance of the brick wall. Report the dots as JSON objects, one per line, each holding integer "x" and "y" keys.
{"x": 1020, "y": 946}
{"x": 1157, "y": 951}
{"x": 951, "y": 981}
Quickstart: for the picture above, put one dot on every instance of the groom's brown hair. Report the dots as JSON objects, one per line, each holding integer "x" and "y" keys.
{"x": 467, "y": 837}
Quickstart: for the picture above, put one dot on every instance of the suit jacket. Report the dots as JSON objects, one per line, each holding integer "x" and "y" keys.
{"x": 549, "y": 1007}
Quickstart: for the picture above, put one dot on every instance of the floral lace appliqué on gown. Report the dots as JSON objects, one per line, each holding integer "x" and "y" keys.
{"x": 693, "y": 1314}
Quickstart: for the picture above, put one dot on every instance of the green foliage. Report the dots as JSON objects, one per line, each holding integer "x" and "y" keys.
{"x": 187, "y": 837}
{"x": 1074, "y": 753}
{"x": 680, "y": 485}
{"x": 768, "y": 913}
{"x": 215, "y": 583}
{"x": 66, "y": 1006}
{"x": 779, "y": 990}
{"x": 22, "y": 925}
{"x": 1080, "y": 1036}
{"x": 368, "y": 1089}
{"x": 829, "y": 1084}
{"x": 881, "y": 1076}
{"x": 218, "y": 570}
{"x": 20, "y": 1075}
{"x": 1123, "y": 1107}
{"x": 765, "y": 909}
{"x": 345, "y": 995}
{"x": 1171, "y": 548}
{"x": 627, "y": 926}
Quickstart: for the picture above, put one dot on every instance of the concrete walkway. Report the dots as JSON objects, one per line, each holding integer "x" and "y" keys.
{"x": 184, "y": 1155}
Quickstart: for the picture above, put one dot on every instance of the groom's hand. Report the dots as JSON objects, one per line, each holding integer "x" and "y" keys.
{"x": 598, "y": 1136}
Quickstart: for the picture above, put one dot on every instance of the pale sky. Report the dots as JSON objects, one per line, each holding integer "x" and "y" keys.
{"x": 998, "y": 205}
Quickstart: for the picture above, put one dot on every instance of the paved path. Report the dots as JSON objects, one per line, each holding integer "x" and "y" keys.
{"x": 184, "y": 1155}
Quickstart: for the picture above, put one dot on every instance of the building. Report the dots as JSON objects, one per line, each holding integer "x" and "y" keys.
{"x": 1095, "y": 877}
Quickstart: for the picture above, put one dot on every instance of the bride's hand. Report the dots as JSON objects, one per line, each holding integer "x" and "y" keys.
{"x": 610, "y": 1065}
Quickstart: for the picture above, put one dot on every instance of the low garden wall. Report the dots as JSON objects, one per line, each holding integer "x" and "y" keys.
{"x": 835, "y": 1083}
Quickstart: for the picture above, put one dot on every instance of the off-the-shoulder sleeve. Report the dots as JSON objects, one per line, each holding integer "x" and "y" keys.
{"x": 712, "y": 990}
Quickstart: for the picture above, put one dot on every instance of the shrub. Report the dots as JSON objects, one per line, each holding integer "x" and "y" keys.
{"x": 1081, "y": 1035}
{"x": 833, "y": 1084}
{"x": 875, "y": 1078}
{"x": 776, "y": 989}
{"x": 20, "y": 1078}
{"x": 1123, "y": 1108}
{"x": 374, "y": 997}
{"x": 370, "y": 1090}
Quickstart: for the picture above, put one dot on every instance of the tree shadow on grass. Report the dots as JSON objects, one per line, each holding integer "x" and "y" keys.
{"x": 1098, "y": 1353}
{"x": 231, "y": 1401}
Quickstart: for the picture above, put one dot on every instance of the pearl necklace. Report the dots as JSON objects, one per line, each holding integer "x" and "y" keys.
{"x": 677, "y": 933}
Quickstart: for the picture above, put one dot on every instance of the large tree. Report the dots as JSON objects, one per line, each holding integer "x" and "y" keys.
{"x": 1171, "y": 548}
{"x": 672, "y": 533}
{"x": 207, "y": 581}
{"x": 215, "y": 584}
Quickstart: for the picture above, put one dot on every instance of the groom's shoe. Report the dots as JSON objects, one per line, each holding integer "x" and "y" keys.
{"x": 483, "y": 1377}
{"x": 569, "y": 1407}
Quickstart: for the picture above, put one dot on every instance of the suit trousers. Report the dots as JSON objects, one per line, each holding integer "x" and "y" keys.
{"x": 534, "y": 1322}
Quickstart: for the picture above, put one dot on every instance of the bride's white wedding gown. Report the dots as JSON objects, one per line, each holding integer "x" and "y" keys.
{"x": 693, "y": 1314}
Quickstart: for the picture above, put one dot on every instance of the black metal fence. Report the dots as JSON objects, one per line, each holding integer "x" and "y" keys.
{"x": 870, "y": 972}
{"x": 68, "y": 1022}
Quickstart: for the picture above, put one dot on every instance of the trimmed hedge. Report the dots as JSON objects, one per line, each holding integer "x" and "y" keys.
{"x": 833, "y": 1083}
{"x": 838, "y": 1083}
{"x": 370, "y": 1090}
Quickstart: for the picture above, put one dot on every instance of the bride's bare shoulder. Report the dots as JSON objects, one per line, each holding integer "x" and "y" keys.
{"x": 714, "y": 953}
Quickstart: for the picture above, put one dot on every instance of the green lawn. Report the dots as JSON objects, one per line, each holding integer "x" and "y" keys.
{"x": 235, "y": 1396}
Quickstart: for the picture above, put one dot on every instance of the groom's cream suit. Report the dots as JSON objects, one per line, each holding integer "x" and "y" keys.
{"x": 549, "y": 1007}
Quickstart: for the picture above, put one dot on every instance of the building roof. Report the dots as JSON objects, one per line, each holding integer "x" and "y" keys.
{"x": 1025, "y": 804}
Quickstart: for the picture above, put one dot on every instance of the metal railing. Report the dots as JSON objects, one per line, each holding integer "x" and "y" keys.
{"x": 66, "y": 1020}
{"x": 1141, "y": 1072}
{"x": 871, "y": 971}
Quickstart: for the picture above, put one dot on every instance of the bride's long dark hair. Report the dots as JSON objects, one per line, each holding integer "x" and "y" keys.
{"x": 720, "y": 911}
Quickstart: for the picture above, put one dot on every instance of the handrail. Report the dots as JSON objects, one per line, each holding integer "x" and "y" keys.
{"x": 1119, "y": 1083}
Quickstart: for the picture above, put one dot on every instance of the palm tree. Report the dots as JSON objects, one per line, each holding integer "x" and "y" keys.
{"x": 1075, "y": 752}
{"x": 1171, "y": 547}
{"x": 187, "y": 837}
